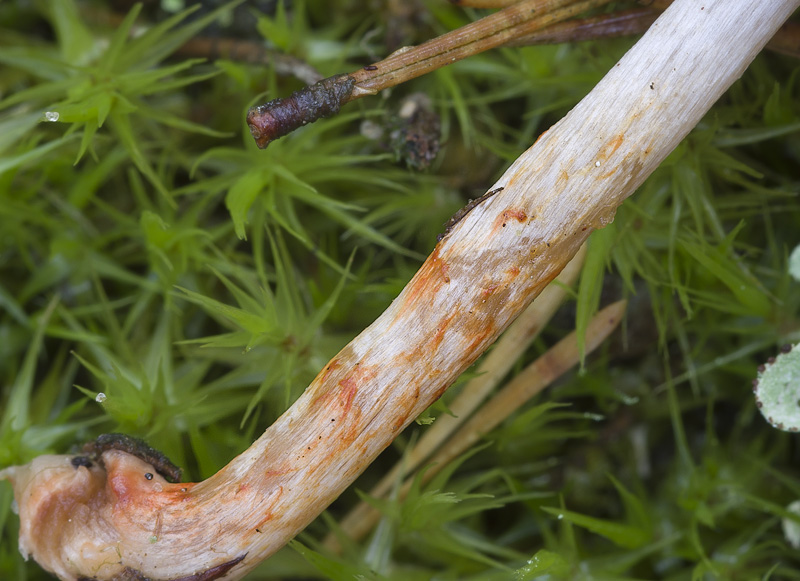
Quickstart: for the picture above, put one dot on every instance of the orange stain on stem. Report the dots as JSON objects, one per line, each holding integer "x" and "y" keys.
{"x": 614, "y": 144}
{"x": 329, "y": 368}
{"x": 514, "y": 214}
{"x": 438, "y": 337}
{"x": 433, "y": 274}
{"x": 480, "y": 339}
{"x": 347, "y": 393}
{"x": 488, "y": 291}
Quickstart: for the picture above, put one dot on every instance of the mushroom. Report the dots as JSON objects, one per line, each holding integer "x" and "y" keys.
{"x": 115, "y": 516}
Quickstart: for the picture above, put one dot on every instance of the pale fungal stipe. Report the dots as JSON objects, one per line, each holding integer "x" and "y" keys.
{"x": 51, "y": 116}
{"x": 95, "y": 522}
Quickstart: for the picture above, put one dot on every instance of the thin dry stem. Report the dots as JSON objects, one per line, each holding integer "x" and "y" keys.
{"x": 484, "y": 3}
{"x": 484, "y": 34}
{"x": 787, "y": 40}
{"x": 280, "y": 117}
{"x": 624, "y": 23}
{"x": 630, "y": 22}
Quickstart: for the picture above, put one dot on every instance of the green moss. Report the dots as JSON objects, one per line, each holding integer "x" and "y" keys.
{"x": 149, "y": 252}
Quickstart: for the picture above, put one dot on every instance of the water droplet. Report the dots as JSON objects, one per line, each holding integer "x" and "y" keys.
{"x": 101, "y": 397}
{"x": 51, "y": 116}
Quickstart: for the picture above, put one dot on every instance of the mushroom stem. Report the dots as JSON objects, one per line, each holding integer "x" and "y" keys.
{"x": 466, "y": 433}
{"x": 493, "y": 368}
{"x": 109, "y": 520}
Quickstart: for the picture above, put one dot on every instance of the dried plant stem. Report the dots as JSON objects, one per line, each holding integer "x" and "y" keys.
{"x": 529, "y": 382}
{"x": 787, "y": 40}
{"x": 280, "y": 117}
{"x": 630, "y": 22}
{"x": 484, "y": 34}
{"x": 484, "y": 3}
{"x": 623, "y": 23}
{"x": 524, "y": 23}
{"x": 110, "y": 521}
{"x": 492, "y": 370}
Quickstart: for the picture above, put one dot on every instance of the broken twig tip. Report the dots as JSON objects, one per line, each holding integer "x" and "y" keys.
{"x": 280, "y": 117}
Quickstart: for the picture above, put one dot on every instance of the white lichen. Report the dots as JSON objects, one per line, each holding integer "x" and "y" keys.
{"x": 777, "y": 389}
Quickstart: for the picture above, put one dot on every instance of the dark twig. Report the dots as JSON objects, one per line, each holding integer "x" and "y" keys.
{"x": 282, "y": 116}
{"x": 630, "y": 22}
{"x": 623, "y": 23}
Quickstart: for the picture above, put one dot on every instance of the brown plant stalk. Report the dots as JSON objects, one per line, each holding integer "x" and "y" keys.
{"x": 280, "y": 117}
{"x": 114, "y": 516}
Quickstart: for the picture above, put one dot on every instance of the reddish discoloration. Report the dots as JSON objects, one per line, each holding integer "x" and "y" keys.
{"x": 440, "y": 332}
{"x": 439, "y": 391}
{"x": 427, "y": 282}
{"x": 513, "y": 272}
{"x": 518, "y": 215}
{"x": 131, "y": 489}
{"x": 481, "y": 338}
{"x": 613, "y": 145}
{"x": 346, "y": 380}
{"x": 488, "y": 291}
{"x": 347, "y": 393}
{"x": 404, "y": 413}
{"x": 323, "y": 375}
{"x": 438, "y": 337}
{"x": 443, "y": 269}
{"x": 510, "y": 215}
{"x": 268, "y": 512}
{"x": 276, "y": 473}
